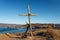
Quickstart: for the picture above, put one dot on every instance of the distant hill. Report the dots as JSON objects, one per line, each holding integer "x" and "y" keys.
{"x": 33, "y": 24}
{"x": 9, "y": 25}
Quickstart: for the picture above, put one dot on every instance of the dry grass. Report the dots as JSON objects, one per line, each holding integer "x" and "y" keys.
{"x": 54, "y": 34}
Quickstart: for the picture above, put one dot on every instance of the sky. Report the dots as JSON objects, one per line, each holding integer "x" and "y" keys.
{"x": 48, "y": 11}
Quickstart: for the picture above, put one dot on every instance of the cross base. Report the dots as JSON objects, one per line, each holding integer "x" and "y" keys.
{"x": 30, "y": 37}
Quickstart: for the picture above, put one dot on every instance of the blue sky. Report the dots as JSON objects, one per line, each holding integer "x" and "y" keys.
{"x": 48, "y": 11}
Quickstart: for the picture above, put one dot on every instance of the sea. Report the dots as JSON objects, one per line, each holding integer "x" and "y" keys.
{"x": 4, "y": 29}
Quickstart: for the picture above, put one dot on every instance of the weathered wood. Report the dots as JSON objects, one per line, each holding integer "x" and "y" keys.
{"x": 29, "y": 18}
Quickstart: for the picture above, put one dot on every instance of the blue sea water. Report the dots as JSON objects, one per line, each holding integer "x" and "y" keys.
{"x": 12, "y": 30}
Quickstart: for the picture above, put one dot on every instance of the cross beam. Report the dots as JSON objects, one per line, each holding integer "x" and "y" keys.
{"x": 29, "y": 18}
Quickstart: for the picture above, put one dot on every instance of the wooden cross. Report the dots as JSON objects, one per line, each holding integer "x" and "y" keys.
{"x": 29, "y": 18}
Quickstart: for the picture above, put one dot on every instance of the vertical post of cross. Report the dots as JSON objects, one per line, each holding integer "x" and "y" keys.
{"x": 29, "y": 20}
